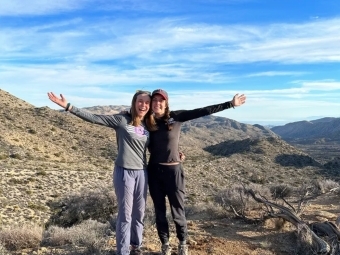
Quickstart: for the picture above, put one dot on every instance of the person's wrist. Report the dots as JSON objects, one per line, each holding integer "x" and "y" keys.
{"x": 67, "y": 107}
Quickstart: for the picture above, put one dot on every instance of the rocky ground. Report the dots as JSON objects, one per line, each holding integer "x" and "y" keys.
{"x": 46, "y": 154}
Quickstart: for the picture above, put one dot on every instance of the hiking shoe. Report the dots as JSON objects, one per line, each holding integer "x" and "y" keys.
{"x": 135, "y": 250}
{"x": 183, "y": 249}
{"x": 166, "y": 249}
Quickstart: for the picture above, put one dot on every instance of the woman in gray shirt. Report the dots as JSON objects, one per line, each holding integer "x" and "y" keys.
{"x": 130, "y": 176}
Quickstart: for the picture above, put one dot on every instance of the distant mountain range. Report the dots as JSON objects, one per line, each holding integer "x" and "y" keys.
{"x": 46, "y": 135}
{"x": 53, "y": 152}
{"x": 328, "y": 128}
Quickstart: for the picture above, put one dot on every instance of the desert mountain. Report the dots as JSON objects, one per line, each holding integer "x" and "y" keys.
{"x": 53, "y": 152}
{"x": 320, "y": 138}
{"x": 327, "y": 128}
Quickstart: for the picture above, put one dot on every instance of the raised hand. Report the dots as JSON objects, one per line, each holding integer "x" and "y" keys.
{"x": 238, "y": 100}
{"x": 59, "y": 101}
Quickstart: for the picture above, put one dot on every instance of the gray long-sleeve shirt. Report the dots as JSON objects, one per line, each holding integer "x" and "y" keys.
{"x": 132, "y": 141}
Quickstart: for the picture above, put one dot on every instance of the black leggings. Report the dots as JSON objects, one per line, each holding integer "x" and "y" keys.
{"x": 168, "y": 180}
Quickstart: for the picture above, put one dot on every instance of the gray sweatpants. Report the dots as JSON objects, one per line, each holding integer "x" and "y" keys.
{"x": 131, "y": 189}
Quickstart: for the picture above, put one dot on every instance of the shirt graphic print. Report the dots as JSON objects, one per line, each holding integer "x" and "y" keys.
{"x": 140, "y": 131}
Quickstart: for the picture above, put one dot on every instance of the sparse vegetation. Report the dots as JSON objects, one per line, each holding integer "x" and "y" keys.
{"x": 3, "y": 250}
{"x": 90, "y": 234}
{"x": 3, "y": 156}
{"x": 20, "y": 237}
{"x": 98, "y": 204}
{"x": 16, "y": 156}
{"x": 67, "y": 159}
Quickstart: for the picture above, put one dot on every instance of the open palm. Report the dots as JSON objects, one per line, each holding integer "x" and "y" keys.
{"x": 238, "y": 100}
{"x": 59, "y": 101}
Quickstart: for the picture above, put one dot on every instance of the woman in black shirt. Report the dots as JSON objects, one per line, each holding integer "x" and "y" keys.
{"x": 166, "y": 177}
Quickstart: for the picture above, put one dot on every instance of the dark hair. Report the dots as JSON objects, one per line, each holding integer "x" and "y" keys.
{"x": 166, "y": 116}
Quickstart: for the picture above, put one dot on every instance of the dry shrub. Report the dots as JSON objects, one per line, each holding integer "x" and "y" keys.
{"x": 325, "y": 186}
{"x": 3, "y": 250}
{"x": 57, "y": 236}
{"x": 21, "y": 237}
{"x": 282, "y": 191}
{"x": 304, "y": 241}
{"x": 210, "y": 209}
{"x": 98, "y": 204}
{"x": 90, "y": 234}
{"x": 238, "y": 200}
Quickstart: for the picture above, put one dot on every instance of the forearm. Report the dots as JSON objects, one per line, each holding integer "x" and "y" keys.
{"x": 204, "y": 111}
{"x": 89, "y": 117}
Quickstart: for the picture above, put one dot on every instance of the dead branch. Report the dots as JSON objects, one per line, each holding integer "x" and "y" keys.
{"x": 320, "y": 246}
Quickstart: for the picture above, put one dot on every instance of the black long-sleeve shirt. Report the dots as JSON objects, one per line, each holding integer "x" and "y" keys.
{"x": 164, "y": 143}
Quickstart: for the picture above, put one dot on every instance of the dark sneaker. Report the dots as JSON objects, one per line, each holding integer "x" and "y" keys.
{"x": 183, "y": 249}
{"x": 166, "y": 249}
{"x": 135, "y": 250}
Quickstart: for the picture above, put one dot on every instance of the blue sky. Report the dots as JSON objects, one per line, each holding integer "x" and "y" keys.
{"x": 284, "y": 55}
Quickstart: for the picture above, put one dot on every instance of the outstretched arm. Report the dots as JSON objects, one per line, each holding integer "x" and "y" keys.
{"x": 186, "y": 115}
{"x": 105, "y": 120}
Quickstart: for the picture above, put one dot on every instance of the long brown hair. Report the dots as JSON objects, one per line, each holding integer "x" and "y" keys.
{"x": 166, "y": 116}
{"x": 136, "y": 120}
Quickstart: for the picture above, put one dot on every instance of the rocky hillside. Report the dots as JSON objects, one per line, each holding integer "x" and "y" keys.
{"x": 46, "y": 153}
{"x": 45, "y": 135}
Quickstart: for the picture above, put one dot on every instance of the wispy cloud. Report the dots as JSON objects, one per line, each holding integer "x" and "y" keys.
{"x": 276, "y": 73}
{"x": 171, "y": 41}
{"x": 325, "y": 85}
{"x": 98, "y": 51}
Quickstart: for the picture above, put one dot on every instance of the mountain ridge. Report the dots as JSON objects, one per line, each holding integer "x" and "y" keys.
{"x": 54, "y": 152}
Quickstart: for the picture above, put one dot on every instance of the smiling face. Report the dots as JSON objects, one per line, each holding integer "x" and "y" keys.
{"x": 142, "y": 105}
{"x": 159, "y": 104}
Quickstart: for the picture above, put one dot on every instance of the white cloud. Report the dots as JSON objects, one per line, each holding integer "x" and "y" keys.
{"x": 276, "y": 73}
{"x": 173, "y": 41}
{"x": 327, "y": 85}
{"x": 88, "y": 59}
